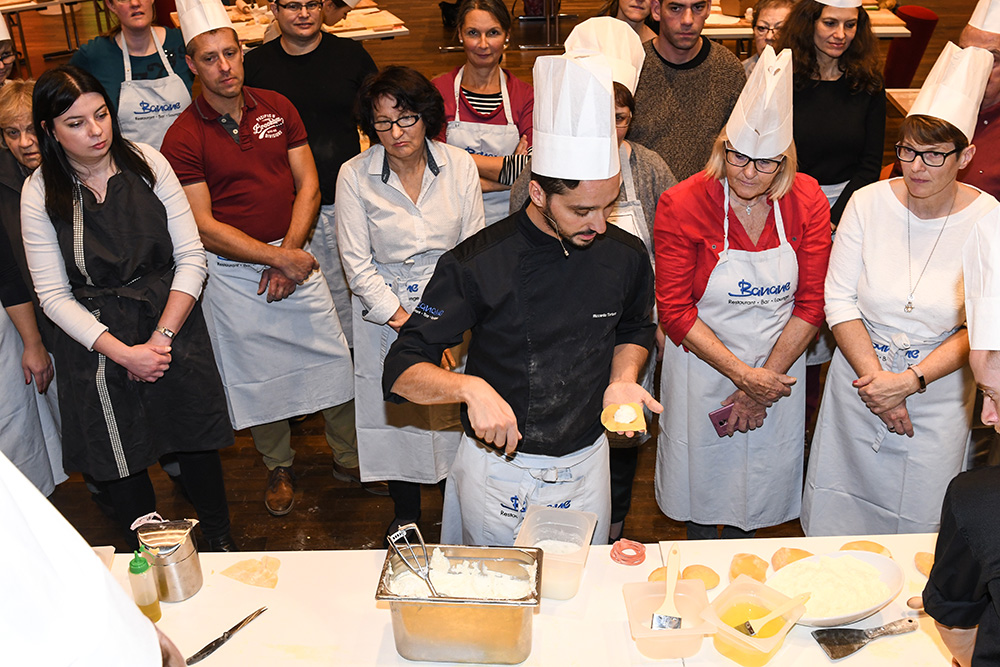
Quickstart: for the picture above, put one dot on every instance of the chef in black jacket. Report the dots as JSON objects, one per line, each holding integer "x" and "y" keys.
{"x": 559, "y": 305}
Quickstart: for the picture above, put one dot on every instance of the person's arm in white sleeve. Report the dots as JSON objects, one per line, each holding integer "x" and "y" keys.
{"x": 354, "y": 241}
{"x": 981, "y": 263}
{"x": 190, "y": 265}
{"x": 48, "y": 271}
{"x": 473, "y": 213}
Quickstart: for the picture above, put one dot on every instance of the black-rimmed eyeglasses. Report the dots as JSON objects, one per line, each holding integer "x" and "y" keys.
{"x": 296, "y": 7}
{"x": 930, "y": 158}
{"x": 763, "y": 165}
{"x": 402, "y": 121}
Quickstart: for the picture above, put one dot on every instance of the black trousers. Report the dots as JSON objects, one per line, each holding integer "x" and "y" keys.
{"x": 406, "y": 498}
{"x": 201, "y": 475}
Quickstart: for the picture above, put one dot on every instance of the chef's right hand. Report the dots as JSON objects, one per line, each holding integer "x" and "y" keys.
{"x": 147, "y": 362}
{"x": 747, "y": 413}
{"x": 765, "y": 386}
{"x": 278, "y": 286}
{"x": 898, "y": 420}
{"x": 296, "y": 264}
{"x": 491, "y": 417}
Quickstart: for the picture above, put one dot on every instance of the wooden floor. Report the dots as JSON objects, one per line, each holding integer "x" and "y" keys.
{"x": 329, "y": 514}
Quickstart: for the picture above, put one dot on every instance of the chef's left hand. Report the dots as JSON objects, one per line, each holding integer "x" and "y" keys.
{"x": 630, "y": 392}
{"x": 747, "y": 413}
{"x": 883, "y": 390}
{"x": 278, "y": 286}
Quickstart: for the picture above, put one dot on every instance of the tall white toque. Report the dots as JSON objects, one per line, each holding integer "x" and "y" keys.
{"x": 352, "y": 3}
{"x": 574, "y": 117}
{"x": 986, "y": 16}
{"x": 4, "y": 30}
{"x": 761, "y": 123}
{"x": 843, "y": 4}
{"x": 954, "y": 89}
{"x": 200, "y": 16}
{"x": 616, "y": 40}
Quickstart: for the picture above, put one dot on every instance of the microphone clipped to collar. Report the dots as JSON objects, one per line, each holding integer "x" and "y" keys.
{"x": 555, "y": 228}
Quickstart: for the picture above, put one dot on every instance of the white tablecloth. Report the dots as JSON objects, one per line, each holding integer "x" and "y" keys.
{"x": 323, "y": 611}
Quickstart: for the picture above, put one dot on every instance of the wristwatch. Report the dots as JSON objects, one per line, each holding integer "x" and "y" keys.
{"x": 170, "y": 334}
{"x": 920, "y": 377}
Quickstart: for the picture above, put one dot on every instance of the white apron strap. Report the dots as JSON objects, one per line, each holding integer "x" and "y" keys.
{"x": 779, "y": 223}
{"x": 504, "y": 96}
{"x": 128, "y": 61}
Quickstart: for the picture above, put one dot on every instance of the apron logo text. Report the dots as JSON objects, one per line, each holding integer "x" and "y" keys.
{"x": 147, "y": 108}
{"x": 429, "y": 312}
{"x": 747, "y": 289}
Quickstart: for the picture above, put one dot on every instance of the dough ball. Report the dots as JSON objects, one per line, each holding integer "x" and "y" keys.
{"x": 703, "y": 572}
{"x": 659, "y": 574}
{"x": 867, "y": 545}
{"x": 625, "y": 414}
{"x": 751, "y": 565}
{"x": 924, "y": 562}
{"x": 786, "y": 555}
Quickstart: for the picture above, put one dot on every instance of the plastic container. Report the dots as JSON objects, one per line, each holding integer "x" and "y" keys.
{"x": 564, "y": 536}
{"x": 447, "y": 629}
{"x": 744, "y": 599}
{"x": 642, "y": 599}
{"x": 140, "y": 578}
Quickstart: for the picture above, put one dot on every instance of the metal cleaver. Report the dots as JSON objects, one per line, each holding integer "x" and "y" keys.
{"x": 842, "y": 642}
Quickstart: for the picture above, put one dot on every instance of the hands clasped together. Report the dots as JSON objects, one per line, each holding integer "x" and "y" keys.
{"x": 758, "y": 389}
{"x": 885, "y": 392}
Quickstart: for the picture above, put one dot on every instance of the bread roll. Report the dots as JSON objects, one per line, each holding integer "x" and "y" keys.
{"x": 703, "y": 572}
{"x": 786, "y": 555}
{"x": 867, "y": 545}
{"x": 751, "y": 565}
{"x": 924, "y": 562}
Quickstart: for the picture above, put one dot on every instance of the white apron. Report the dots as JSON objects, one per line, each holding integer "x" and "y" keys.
{"x": 753, "y": 479}
{"x": 399, "y": 441}
{"x": 628, "y": 214}
{"x": 277, "y": 360}
{"x": 484, "y": 139}
{"x": 488, "y": 494}
{"x": 147, "y": 108}
{"x": 865, "y": 480}
{"x": 27, "y": 435}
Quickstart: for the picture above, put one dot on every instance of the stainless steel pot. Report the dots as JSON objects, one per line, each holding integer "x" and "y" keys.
{"x": 169, "y": 547}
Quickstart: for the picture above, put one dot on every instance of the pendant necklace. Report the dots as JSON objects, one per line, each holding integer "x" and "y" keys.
{"x": 748, "y": 207}
{"x": 909, "y": 254}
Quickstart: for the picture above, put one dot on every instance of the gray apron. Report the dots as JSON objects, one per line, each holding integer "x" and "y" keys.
{"x": 754, "y": 479}
{"x": 399, "y": 441}
{"x": 277, "y": 360}
{"x": 865, "y": 480}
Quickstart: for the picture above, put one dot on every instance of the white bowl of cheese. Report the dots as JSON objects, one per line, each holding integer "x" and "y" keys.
{"x": 846, "y": 586}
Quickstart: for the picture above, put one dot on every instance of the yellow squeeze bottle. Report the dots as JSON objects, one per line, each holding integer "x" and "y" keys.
{"x": 144, "y": 587}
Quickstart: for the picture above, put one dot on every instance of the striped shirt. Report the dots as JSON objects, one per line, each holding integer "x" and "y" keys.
{"x": 483, "y": 104}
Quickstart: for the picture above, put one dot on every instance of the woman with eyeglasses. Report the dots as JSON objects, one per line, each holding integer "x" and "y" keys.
{"x": 896, "y": 413}
{"x": 768, "y": 17}
{"x": 741, "y": 251}
{"x": 401, "y": 204}
{"x": 142, "y": 67}
{"x": 488, "y": 110}
{"x": 8, "y": 55}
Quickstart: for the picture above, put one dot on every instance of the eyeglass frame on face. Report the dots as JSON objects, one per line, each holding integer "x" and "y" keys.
{"x": 762, "y": 29}
{"x": 625, "y": 123}
{"x": 923, "y": 155}
{"x": 387, "y": 124}
{"x": 296, "y": 7}
{"x": 756, "y": 161}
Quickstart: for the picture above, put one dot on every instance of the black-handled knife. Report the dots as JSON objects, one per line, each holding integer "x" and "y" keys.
{"x": 226, "y": 636}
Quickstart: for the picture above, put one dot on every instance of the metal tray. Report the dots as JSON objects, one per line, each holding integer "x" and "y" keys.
{"x": 451, "y": 629}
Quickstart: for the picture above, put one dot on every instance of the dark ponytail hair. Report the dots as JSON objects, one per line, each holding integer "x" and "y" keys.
{"x": 55, "y": 92}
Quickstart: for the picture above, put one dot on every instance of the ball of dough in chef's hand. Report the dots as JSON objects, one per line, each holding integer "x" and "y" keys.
{"x": 787, "y": 555}
{"x": 867, "y": 545}
{"x": 924, "y": 562}
{"x": 703, "y": 572}
{"x": 751, "y": 565}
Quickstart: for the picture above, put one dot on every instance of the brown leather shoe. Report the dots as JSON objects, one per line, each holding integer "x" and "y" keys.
{"x": 280, "y": 494}
{"x": 353, "y": 475}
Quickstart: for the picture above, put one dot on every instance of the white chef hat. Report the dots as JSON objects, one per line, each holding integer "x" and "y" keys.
{"x": 954, "y": 89}
{"x": 4, "y": 30}
{"x": 986, "y": 16}
{"x": 616, "y": 40}
{"x": 843, "y": 4}
{"x": 574, "y": 117}
{"x": 200, "y": 16}
{"x": 761, "y": 123}
{"x": 352, "y": 3}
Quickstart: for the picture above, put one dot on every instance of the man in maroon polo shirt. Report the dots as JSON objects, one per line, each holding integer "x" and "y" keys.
{"x": 241, "y": 156}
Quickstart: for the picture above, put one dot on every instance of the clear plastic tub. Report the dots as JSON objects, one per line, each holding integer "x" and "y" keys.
{"x": 564, "y": 537}
{"x": 744, "y": 599}
{"x": 642, "y": 599}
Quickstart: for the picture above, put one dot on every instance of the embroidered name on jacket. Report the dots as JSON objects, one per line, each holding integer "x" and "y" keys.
{"x": 147, "y": 108}
{"x": 429, "y": 312}
{"x": 748, "y": 289}
{"x": 268, "y": 126}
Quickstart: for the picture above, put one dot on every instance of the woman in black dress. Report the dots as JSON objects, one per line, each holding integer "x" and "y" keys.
{"x": 118, "y": 266}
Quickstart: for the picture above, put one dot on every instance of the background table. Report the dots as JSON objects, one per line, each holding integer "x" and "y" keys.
{"x": 323, "y": 611}
{"x": 902, "y": 99}
{"x": 885, "y": 25}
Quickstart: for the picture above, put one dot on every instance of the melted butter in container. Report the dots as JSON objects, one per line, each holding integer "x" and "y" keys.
{"x": 461, "y": 628}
